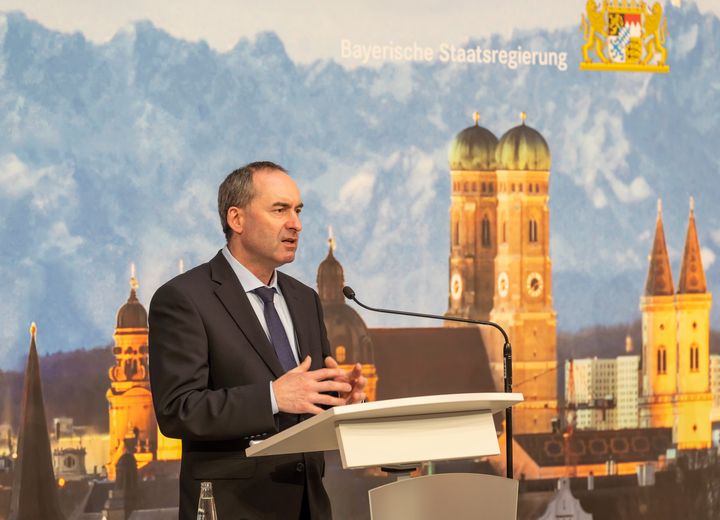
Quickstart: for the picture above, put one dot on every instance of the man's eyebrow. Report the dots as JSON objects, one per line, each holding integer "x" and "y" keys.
{"x": 287, "y": 205}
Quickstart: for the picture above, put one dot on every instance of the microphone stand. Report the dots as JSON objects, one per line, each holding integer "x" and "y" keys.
{"x": 507, "y": 361}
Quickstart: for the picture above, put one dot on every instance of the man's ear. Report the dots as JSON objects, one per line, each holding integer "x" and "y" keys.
{"x": 236, "y": 219}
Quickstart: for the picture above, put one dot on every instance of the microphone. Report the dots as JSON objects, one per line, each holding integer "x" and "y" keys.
{"x": 507, "y": 360}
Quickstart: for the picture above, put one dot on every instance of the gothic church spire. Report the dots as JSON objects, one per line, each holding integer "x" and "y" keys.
{"x": 659, "y": 277}
{"x": 692, "y": 274}
{"x": 34, "y": 491}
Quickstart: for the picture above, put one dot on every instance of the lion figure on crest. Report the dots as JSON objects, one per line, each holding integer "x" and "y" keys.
{"x": 594, "y": 31}
{"x": 655, "y": 28}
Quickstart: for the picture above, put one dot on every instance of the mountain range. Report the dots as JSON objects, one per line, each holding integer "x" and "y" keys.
{"x": 112, "y": 154}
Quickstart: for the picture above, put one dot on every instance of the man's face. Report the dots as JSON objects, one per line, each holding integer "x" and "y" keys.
{"x": 271, "y": 221}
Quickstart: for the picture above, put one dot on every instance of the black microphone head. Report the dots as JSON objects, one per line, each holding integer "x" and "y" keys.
{"x": 348, "y": 292}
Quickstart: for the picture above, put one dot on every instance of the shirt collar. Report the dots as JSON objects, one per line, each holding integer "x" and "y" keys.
{"x": 249, "y": 281}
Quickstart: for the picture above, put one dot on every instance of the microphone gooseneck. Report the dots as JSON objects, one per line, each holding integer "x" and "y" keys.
{"x": 350, "y": 295}
{"x": 507, "y": 359}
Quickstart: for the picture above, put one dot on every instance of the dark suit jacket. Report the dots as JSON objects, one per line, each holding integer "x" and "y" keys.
{"x": 210, "y": 369}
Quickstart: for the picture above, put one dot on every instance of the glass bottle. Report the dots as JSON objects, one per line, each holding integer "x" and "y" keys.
{"x": 206, "y": 506}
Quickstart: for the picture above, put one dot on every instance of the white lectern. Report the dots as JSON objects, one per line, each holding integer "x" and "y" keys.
{"x": 405, "y": 431}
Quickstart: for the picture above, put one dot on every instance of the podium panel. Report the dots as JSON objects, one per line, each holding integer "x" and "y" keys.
{"x": 375, "y": 442}
{"x": 458, "y": 496}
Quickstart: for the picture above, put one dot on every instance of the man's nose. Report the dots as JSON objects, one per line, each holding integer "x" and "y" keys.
{"x": 294, "y": 222}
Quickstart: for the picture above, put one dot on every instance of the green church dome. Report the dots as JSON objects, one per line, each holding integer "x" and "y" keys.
{"x": 473, "y": 148}
{"x": 522, "y": 148}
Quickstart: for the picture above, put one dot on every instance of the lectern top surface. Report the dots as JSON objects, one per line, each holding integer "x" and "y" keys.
{"x": 318, "y": 432}
{"x": 427, "y": 404}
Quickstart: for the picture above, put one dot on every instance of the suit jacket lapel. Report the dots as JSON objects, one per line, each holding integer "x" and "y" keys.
{"x": 297, "y": 313}
{"x": 232, "y": 295}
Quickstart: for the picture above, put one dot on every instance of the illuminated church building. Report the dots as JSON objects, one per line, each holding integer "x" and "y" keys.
{"x": 131, "y": 416}
{"x": 676, "y": 343}
{"x": 500, "y": 268}
{"x": 350, "y": 340}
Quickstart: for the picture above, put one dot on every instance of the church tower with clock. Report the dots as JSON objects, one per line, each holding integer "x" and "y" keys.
{"x": 500, "y": 266}
{"x": 473, "y": 236}
{"x": 523, "y": 295}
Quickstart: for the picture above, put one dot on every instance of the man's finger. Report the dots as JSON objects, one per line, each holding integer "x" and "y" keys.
{"x": 330, "y": 362}
{"x": 329, "y": 400}
{"x": 311, "y": 408}
{"x": 333, "y": 386}
{"x": 327, "y": 373}
{"x": 304, "y": 366}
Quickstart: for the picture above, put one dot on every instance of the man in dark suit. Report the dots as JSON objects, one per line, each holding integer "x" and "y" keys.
{"x": 239, "y": 351}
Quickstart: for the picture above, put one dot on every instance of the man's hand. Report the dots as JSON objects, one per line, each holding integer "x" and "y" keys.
{"x": 354, "y": 378}
{"x": 300, "y": 390}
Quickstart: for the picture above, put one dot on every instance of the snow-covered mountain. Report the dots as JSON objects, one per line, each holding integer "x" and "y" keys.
{"x": 112, "y": 154}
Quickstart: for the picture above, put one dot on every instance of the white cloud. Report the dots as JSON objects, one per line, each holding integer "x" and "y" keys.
{"x": 636, "y": 191}
{"x": 50, "y": 187}
{"x": 394, "y": 81}
{"x": 435, "y": 116}
{"x": 356, "y": 193}
{"x": 423, "y": 170}
{"x": 59, "y": 240}
{"x": 599, "y": 199}
{"x": 629, "y": 259}
{"x": 708, "y": 257}
{"x": 631, "y": 89}
{"x": 687, "y": 41}
{"x": 15, "y": 178}
{"x": 194, "y": 205}
{"x": 56, "y": 190}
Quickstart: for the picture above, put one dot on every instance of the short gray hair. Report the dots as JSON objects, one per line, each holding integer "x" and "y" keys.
{"x": 237, "y": 190}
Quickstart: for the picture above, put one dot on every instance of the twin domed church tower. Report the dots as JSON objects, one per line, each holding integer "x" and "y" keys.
{"x": 500, "y": 268}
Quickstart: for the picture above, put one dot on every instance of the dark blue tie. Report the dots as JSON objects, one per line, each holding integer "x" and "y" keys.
{"x": 278, "y": 336}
